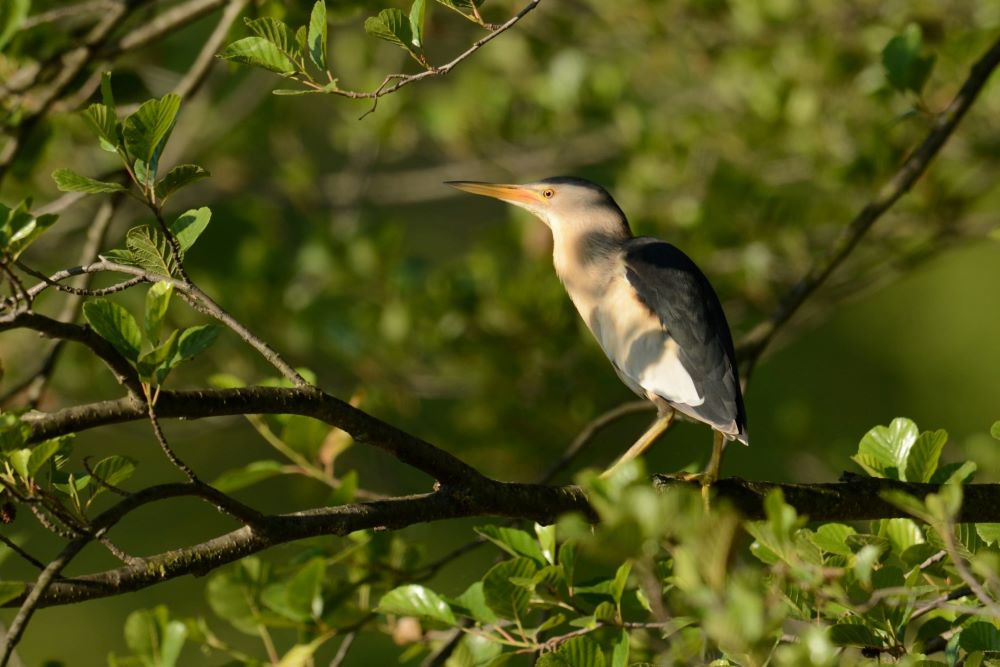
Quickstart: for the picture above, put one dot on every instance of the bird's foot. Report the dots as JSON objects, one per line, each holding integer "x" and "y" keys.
{"x": 706, "y": 479}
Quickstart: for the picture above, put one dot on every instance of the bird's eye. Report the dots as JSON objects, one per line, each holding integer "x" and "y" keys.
{"x": 548, "y": 193}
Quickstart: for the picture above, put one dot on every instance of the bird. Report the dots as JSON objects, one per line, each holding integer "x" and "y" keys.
{"x": 651, "y": 309}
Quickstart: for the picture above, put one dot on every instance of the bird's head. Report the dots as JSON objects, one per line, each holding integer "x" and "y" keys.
{"x": 563, "y": 203}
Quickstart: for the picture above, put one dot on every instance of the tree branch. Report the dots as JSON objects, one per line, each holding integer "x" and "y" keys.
{"x": 754, "y": 343}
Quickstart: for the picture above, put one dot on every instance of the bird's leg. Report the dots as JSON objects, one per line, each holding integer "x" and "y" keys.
{"x": 711, "y": 473}
{"x": 657, "y": 428}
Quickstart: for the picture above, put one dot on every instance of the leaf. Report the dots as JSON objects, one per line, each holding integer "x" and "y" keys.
{"x": 195, "y": 340}
{"x": 151, "y": 250}
{"x": 301, "y": 655}
{"x": 988, "y": 532}
{"x": 189, "y": 226}
{"x": 154, "y": 366}
{"x": 417, "y": 11}
{"x": 10, "y": 590}
{"x": 45, "y": 451}
{"x": 177, "y": 178}
{"x": 503, "y": 597}
{"x": 22, "y": 228}
{"x": 258, "y": 52}
{"x": 157, "y": 302}
{"x": 392, "y": 25}
{"x": 275, "y": 32}
{"x": 306, "y": 587}
{"x": 831, "y": 537}
{"x": 923, "y": 458}
{"x": 12, "y": 14}
{"x": 19, "y": 460}
{"x": 902, "y": 533}
{"x": 577, "y": 652}
{"x": 116, "y": 325}
{"x": 239, "y": 478}
{"x": 905, "y": 67}
{"x": 619, "y": 656}
{"x": 104, "y": 122}
{"x": 980, "y": 636}
{"x": 146, "y": 131}
{"x": 113, "y": 470}
{"x": 68, "y": 180}
{"x": 547, "y": 541}
{"x": 107, "y": 96}
{"x": 416, "y": 600}
{"x": 889, "y": 446}
{"x": 513, "y": 541}
{"x": 855, "y": 634}
{"x": 316, "y": 37}
{"x": 995, "y": 430}
{"x": 171, "y": 644}
{"x": 474, "y": 601}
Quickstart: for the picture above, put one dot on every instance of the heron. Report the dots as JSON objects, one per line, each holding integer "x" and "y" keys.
{"x": 651, "y": 309}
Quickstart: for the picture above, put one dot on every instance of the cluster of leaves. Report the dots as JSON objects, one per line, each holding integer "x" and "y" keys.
{"x": 276, "y": 48}
{"x": 19, "y": 228}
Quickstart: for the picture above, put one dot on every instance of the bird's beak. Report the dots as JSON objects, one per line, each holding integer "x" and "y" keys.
{"x": 513, "y": 194}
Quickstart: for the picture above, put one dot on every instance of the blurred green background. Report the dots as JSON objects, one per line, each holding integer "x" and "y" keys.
{"x": 747, "y": 132}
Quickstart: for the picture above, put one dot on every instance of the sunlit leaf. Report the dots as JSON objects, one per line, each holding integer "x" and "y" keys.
{"x": 258, "y": 52}
{"x": 419, "y": 601}
{"x": 177, "y": 178}
{"x": 157, "y": 303}
{"x": 417, "y": 11}
{"x": 506, "y": 599}
{"x": 146, "y": 131}
{"x": 189, "y": 226}
{"x": 392, "y": 25}
{"x": 316, "y": 37}
{"x": 923, "y": 458}
{"x": 194, "y": 340}
{"x": 151, "y": 250}
{"x": 116, "y": 325}
{"x": 513, "y": 541}
{"x": 473, "y": 600}
{"x": 239, "y": 478}
{"x": 68, "y": 180}
{"x": 102, "y": 118}
{"x": 113, "y": 470}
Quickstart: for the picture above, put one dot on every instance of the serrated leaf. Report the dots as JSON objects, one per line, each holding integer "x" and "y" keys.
{"x": 157, "y": 303}
{"x": 116, "y": 325}
{"x": 68, "y": 180}
{"x": 239, "y": 478}
{"x": 258, "y": 52}
{"x": 195, "y": 340}
{"x": 906, "y": 68}
{"x": 146, "y": 131}
{"x": 113, "y": 470}
{"x": 151, "y": 250}
{"x": 275, "y": 32}
{"x": 980, "y": 636}
{"x": 419, "y": 601}
{"x": 177, "y": 178}
{"x": 832, "y": 537}
{"x": 513, "y": 541}
{"x": 506, "y": 599}
{"x": 104, "y": 122}
{"x": 392, "y": 25}
{"x": 474, "y": 601}
{"x": 316, "y": 37}
{"x": 10, "y": 590}
{"x": 923, "y": 458}
{"x": 417, "y": 11}
{"x": 189, "y": 226}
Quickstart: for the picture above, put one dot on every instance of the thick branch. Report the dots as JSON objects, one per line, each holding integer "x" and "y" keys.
{"x": 911, "y": 170}
{"x": 859, "y": 499}
{"x": 484, "y": 497}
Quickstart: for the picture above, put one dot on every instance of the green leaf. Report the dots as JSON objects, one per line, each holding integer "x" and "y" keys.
{"x": 417, "y": 11}
{"x": 547, "y": 541}
{"x": 151, "y": 250}
{"x": 116, "y": 325}
{"x": 392, "y": 25}
{"x": 12, "y": 15}
{"x": 924, "y": 456}
{"x": 19, "y": 228}
{"x": 154, "y": 366}
{"x": 277, "y": 33}
{"x": 239, "y": 478}
{"x": 416, "y": 600}
{"x": 104, "y": 122}
{"x": 955, "y": 473}
{"x": 995, "y": 430}
{"x": 305, "y": 589}
{"x": 195, "y": 340}
{"x": 577, "y": 652}
{"x": 177, "y": 178}
{"x": 905, "y": 67}
{"x": 902, "y": 533}
{"x": 146, "y": 131}
{"x": 258, "y": 52}
{"x": 316, "y": 38}
{"x": 174, "y": 635}
{"x": 141, "y": 634}
{"x": 888, "y": 447}
{"x": 19, "y": 460}
{"x": 157, "y": 302}
{"x": 513, "y": 541}
{"x": 107, "y": 96}
{"x": 854, "y": 634}
{"x": 45, "y": 451}
{"x": 473, "y": 600}
{"x": 989, "y": 532}
{"x": 189, "y": 226}
{"x": 506, "y": 599}
{"x": 10, "y": 590}
{"x": 68, "y": 180}
{"x": 113, "y": 470}
{"x": 831, "y": 537}
{"x": 980, "y": 636}
{"x": 301, "y": 655}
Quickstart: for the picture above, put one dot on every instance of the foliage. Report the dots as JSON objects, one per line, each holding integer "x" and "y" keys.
{"x": 751, "y": 130}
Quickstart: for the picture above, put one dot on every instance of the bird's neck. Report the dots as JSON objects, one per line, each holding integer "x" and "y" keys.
{"x": 586, "y": 259}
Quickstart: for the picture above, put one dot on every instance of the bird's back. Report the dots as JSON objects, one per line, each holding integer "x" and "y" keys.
{"x": 694, "y": 335}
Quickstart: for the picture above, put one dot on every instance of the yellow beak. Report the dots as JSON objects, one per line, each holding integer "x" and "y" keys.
{"x": 514, "y": 194}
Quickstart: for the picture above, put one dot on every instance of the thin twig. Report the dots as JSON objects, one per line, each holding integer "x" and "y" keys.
{"x": 754, "y": 344}
{"x": 16, "y": 548}
{"x": 948, "y": 537}
{"x": 161, "y": 438}
{"x": 342, "y": 650}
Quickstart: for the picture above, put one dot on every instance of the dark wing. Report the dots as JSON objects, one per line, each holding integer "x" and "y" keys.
{"x": 678, "y": 293}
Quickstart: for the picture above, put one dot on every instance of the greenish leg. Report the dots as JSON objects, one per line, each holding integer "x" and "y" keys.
{"x": 661, "y": 424}
{"x": 712, "y": 471}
